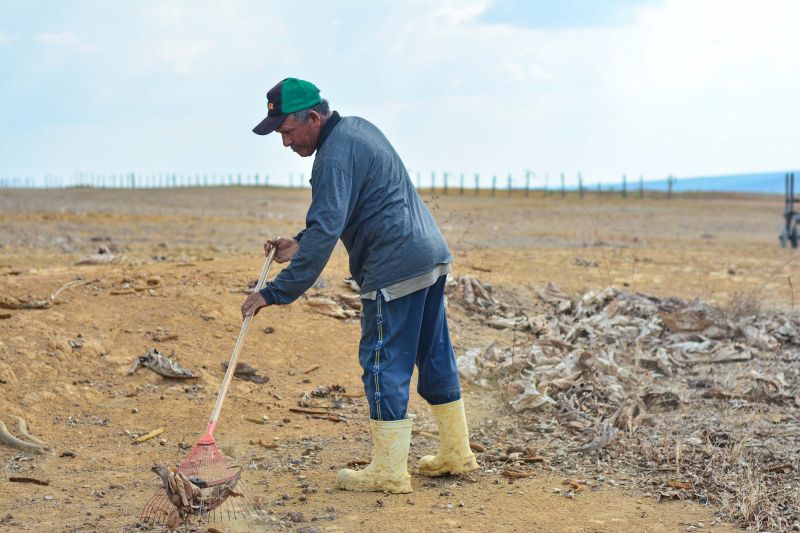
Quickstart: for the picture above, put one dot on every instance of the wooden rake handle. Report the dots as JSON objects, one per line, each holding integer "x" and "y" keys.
{"x": 226, "y": 381}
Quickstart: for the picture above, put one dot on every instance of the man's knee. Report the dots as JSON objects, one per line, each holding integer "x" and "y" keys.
{"x": 441, "y": 393}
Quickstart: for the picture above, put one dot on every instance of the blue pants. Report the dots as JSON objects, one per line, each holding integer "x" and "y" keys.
{"x": 397, "y": 334}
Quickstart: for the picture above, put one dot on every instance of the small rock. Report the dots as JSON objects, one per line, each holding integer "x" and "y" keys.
{"x": 379, "y": 502}
{"x": 296, "y": 516}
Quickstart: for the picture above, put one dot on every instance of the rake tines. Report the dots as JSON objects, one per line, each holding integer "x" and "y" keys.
{"x": 205, "y": 488}
{"x": 206, "y": 462}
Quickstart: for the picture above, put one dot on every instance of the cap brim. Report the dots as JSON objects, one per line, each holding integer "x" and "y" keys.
{"x": 269, "y": 124}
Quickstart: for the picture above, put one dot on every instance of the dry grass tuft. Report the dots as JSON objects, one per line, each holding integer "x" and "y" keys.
{"x": 742, "y": 305}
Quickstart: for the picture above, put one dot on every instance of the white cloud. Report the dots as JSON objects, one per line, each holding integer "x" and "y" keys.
{"x": 65, "y": 41}
{"x": 6, "y": 38}
{"x": 457, "y": 13}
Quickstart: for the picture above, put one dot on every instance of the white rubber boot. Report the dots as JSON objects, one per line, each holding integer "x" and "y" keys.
{"x": 388, "y": 471}
{"x": 454, "y": 455}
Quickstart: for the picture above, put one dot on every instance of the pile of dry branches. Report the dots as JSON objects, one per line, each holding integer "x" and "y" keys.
{"x": 699, "y": 402}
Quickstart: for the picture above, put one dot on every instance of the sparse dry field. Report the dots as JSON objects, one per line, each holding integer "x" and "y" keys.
{"x": 205, "y": 247}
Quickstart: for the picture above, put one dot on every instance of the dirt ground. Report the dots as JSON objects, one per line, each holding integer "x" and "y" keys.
{"x": 189, "y": 255}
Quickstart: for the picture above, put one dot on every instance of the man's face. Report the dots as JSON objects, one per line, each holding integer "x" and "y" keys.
{"x": 301, "y": 137}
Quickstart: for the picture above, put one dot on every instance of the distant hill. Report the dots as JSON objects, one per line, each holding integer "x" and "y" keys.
{"x": 767, "y": 183}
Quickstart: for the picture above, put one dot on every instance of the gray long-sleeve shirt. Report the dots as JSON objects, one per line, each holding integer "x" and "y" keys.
{"x": 361, "y": 194}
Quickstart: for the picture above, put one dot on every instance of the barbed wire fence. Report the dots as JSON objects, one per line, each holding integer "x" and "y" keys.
{"x": 434, "y": 182}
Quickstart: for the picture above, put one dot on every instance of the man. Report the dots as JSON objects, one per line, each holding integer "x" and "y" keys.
{"x": 361, "y": 194}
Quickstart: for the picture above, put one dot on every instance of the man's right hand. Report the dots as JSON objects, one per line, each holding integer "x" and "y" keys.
{"x": 284, "y": 248}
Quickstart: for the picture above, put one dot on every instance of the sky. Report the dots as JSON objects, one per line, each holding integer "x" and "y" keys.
{"x": 604, "y": 88}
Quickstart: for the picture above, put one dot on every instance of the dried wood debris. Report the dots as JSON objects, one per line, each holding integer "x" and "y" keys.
{"x": 193, "y": 496}
{"x": 611, "y": 343}
{"x": 478, "y": 298}
{"x": 11, "y": 302}
{"x": 246, "y": 372}
{"x": 160, "y": 364}
{"x": 25, "y": 442}
{"x": 103, "y": 256}
{"x": 661, "y": 387}
{"x": 328, "y": 306}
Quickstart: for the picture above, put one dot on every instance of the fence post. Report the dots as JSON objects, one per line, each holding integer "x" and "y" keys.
{"x": 527, "y": 181}
{"x": 580, "y": 185}
{"x": 494, "y": 184}
{"x": 477, "y": 181}
{"x": 641, "y": 185}
{"x": 444, "y": 176}
{"x": 461, "y": 187}
{"x": 624, "y": 186}
{"x": 563, "y": 186}
{"x": 433, "y": 181}
{"x": 509, "y": 185}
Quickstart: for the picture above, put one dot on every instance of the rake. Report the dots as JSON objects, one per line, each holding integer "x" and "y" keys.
{"x": 206, "y": 465}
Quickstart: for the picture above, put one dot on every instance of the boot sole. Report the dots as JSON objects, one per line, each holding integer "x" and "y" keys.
{"x": 376, "y": 489}
{"x": 449, "y": 471}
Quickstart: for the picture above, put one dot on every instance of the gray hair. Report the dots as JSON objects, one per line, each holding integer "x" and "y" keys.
{"x": 323, "y": 108}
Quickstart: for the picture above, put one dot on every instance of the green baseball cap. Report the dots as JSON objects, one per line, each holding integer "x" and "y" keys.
{"x": 286, "y": 97}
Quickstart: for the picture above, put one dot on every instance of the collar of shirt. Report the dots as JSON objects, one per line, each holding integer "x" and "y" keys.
{"x": 328, "y": 128}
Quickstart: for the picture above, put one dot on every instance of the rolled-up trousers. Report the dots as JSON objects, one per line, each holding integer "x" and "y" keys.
{"x": 398, "y": 334}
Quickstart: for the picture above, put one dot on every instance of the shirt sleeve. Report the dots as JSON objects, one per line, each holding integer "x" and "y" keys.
{"x": 325, "y": 221}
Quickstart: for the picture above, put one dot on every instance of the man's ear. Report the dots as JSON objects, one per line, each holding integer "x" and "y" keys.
{"x": 315, "y": 117}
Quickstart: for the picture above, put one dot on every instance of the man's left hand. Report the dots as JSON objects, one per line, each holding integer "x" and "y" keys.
{"x": 252, "y": 305}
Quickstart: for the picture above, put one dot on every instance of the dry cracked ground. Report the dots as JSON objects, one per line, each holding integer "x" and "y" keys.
{"x": 176, "y": 266}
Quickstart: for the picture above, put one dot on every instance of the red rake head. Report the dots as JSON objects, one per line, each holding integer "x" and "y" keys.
{"x": 206, "y": 467}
